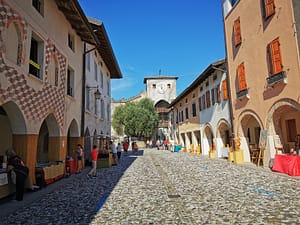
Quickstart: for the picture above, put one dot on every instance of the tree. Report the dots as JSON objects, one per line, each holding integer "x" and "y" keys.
{"x": 135, "y": 119}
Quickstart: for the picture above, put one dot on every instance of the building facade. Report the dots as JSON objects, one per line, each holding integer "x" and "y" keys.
{"x": 200, "y": 114}
{"x": 262, "y": 47}
{"x": 100, "y": 67}
{"x": 44, "y": 84}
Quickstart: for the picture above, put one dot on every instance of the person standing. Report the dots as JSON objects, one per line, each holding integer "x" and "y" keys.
{"x": 94, "y": 156}
{"x": 79, "y": 153}
{"x": 114, "y": 152}
{"x": 16, "y": 164}
{"x": 125, "y": 147}
{"x": 119, "y": 151}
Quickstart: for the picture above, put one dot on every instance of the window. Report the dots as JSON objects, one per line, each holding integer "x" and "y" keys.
{"x": 218, "y": 93}
{"x": 108, "y": 112}
{"x": 87, "y": 99}
{"x": 96, "y": 106}
{"x": 241, "y": 77}
{"x": 269, "y": 8}
{"x": 237, "y": 32}
{"x": 39, "y": 6}
{"x": 108, "y": 87}
{"x": 194, "y": 110}
{"x": 36, "y": 56}
{"x": 102, "y": 109}
{"x": 225, "y": 90}
{"x": 70, "y": 82}
{"x": 169, "y": 85}
{"x": 96, "y": 71}
{"x": 187, "y": 113}
{"x": 212, "y": 96}
{"x": 203, "y": 102}
{"x": 291, "y": 130}
{"x": 71, "y": 41}
{"x": 101, "y": 77}
{"x": 88, "y": 61}
{"x": 199, "y": 102}
{"x": 275, "y": 57}
{"x": 207, "y": 95}
{"x": 154, "y": 86}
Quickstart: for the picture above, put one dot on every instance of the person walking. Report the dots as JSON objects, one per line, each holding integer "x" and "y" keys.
{"x": 15, "y": 164}
{"x": 94, "y": 156}
{"x": 114, "y": 152}
{"x": 119, "y": 151}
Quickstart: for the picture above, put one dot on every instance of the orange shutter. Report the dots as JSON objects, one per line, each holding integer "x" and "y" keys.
{"x": 237, "y": 32}
{"x": 269, "y": 7}
{"x": 275, "y": 56}
{"x": 224, "y": 88}
{"x": 242, "y": 77}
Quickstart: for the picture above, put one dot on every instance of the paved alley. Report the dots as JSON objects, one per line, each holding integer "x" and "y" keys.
{"x": 161, "y": 187}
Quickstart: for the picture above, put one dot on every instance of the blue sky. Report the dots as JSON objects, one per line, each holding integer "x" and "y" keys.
{"x": 179, "y": 37}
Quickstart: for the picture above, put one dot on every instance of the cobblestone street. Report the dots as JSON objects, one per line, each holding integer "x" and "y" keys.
{"x": 161, "y": 187}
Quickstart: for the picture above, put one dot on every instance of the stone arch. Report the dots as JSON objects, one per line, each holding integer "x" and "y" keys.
{"x": 223, "y": 132}
{"x": 207, "y": 138}
{"x": 280, "y": 113}
{"x": 15, "y": 117}
{"x": 72, "y": 137}
{"x": 48, "y": 140}
{"x": 246, "y": 115}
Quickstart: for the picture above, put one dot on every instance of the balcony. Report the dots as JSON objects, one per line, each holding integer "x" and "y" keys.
{"x": 242, "y": 94}
{"x": 279, "y": 78}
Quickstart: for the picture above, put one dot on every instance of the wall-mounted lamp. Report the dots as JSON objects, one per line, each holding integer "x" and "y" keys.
{"x": 97, "y": 92}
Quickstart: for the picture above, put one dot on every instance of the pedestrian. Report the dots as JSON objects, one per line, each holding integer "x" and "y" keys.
{"x": 119, "y": 151}
{"x": 135, "y": 148}
{"x": 114, "y": 152}
{"x": 16, "y": 165}
{"x": 125, "y": 147}
{"x": 157, "y": 144}
{"x": 79, "y": 153}
{"x": 94, "y": 156}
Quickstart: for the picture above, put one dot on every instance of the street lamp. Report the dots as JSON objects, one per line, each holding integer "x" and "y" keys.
{"x": 97, "y": 92}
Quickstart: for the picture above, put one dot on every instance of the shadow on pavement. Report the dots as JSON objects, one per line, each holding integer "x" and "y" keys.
{"x": 78, "y": 196}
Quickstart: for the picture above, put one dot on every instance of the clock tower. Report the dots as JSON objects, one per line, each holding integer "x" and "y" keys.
{"x": 162, "y": 90}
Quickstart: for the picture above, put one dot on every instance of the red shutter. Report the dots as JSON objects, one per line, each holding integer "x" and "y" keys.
{"x": 224, "y": 88}
{"x": 269, "y": 7}
{"x": 237, "y": 32}
{"x": 275, "y": 56}
{"x": 242, "y": 77}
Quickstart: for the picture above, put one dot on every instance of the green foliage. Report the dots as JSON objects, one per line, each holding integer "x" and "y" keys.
{"x": 136, "y": 119}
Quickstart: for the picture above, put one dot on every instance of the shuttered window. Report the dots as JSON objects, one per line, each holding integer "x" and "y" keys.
{"x": 237, "y": 32}
{"x": 225, "y": 90}
{"x": 269, "y": 8}
{"x": 242, "y": 77}
{"x": 218, "y": 93}
{"x": 208, "y": 99}
{"x": 275, "y": 57}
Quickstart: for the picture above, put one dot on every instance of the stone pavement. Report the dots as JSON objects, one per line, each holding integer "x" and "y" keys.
{"x": 160, "y": 187}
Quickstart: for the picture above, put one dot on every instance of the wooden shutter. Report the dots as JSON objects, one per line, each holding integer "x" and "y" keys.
{"x": 242, "y": 77}
{"x": 224, "y": 89}
{"x": 275, "y": 55}
{"x": 207, "y": 99}
{"x": 237, "y": 32}
{"x": 269, "y": 8}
